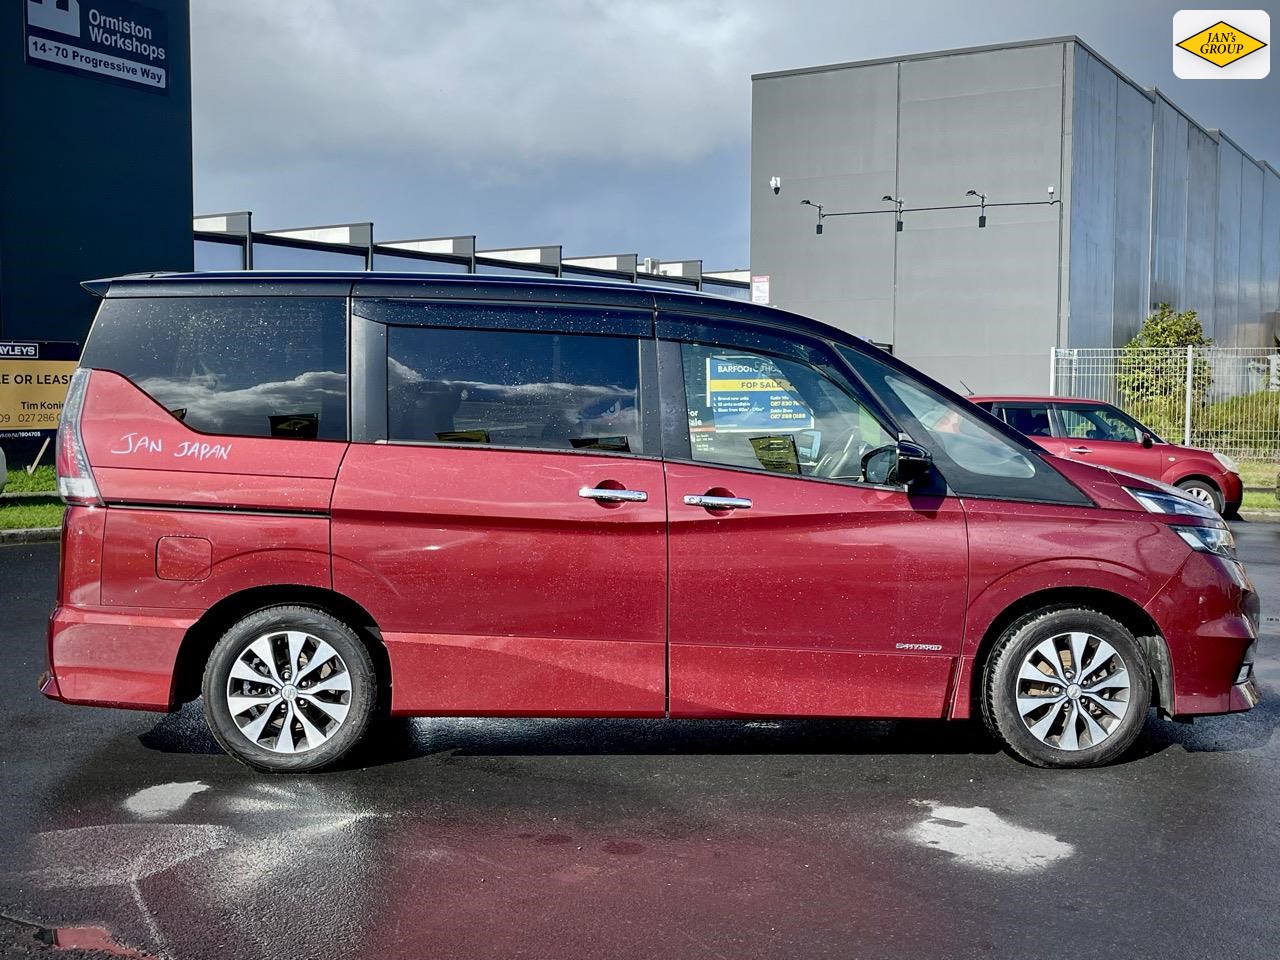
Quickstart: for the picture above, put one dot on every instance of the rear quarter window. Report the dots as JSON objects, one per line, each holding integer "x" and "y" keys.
{"x": 239, "y": 366}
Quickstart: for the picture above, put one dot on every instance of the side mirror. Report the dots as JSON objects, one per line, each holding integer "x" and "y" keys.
{"x": 1147, "y": 441}
{"x": 902, "y": 463}
{"x": 914, "y": 462}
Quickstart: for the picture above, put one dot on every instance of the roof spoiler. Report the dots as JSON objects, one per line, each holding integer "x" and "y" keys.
{"x": 99, "y": 288}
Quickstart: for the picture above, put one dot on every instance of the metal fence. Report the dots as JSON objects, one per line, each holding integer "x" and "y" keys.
{"x": 1224, "y": 398}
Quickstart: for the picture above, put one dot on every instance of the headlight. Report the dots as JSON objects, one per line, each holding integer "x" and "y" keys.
{"x": 1228, "y": 464}
{"x": 1215, "y": 540}
{"x": 1154, "y": 501}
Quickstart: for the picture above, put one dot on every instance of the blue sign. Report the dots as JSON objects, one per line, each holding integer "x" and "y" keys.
{"x": 750, "y": 394}
{"x": 108, "y": 39}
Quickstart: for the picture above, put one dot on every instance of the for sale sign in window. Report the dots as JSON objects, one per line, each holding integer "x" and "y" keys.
{"x": 748, "y": 394}
{"x": 107, "y": 39}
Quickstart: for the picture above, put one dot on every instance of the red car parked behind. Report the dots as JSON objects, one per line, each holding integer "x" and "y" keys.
{"x": 1099, "y": 433}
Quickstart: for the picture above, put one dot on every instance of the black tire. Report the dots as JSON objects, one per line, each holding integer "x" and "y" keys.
{"x": 1000, "y": 690}
{"x": 272, "y": 623}
{"x": 1201, "y": 489}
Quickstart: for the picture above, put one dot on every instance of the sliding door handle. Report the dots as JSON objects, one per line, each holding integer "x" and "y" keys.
{"x": 717, "y": 503}
{"x": 605, "y": 495}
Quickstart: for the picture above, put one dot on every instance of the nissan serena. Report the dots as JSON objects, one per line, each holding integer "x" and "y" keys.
{"x": 317, "y": 499}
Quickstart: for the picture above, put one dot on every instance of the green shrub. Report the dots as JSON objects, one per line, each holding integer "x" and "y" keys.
{"x": 1152, "y": 375}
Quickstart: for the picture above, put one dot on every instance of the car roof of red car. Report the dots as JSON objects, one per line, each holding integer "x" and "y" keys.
{"x": 1029, "y": 398}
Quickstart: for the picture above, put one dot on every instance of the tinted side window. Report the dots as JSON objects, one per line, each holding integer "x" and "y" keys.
{"x": 975, "y": 458}
{"x": 1029, "y": 418}
{"x": 513, "y": 388}
{"x": 1097, "y": 423}
{"x": 243, "y": 366}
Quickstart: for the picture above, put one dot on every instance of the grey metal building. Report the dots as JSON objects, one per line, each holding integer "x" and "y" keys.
{"x": 1150, "y": 207}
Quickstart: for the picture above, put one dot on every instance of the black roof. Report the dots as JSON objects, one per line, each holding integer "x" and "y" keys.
{"x": 458, "y": 286}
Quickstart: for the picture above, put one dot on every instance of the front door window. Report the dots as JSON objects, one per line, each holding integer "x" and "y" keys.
{"x": 1101, "y": 422}
{"x": 771, "y": 413}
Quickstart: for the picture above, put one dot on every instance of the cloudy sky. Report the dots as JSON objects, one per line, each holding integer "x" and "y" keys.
{"x": 609, "y": 126}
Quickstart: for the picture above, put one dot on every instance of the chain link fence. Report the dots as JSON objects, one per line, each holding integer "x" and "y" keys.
{"x": 1223, "y": 398}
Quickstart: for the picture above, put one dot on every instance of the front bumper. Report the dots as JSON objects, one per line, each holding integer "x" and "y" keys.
{"x": 1232, "y": 488}
{"x": 1244, "y": 696}
{"x": 1208, "y": 613}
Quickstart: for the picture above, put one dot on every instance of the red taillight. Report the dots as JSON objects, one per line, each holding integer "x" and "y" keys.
{"x": 75, "y": 478}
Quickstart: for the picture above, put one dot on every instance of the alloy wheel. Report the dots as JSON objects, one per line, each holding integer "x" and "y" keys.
{"x": 288, "y": 691}
{"x": 1073, "y": 691}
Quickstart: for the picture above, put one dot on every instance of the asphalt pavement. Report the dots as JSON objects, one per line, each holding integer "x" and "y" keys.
{"x": 620, "y": 839}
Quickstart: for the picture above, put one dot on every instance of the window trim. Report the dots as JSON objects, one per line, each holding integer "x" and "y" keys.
{"x": 521, "y": 316}
{"x": 677, "y": 443}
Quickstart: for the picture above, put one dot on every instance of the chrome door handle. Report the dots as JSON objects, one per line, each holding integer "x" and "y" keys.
{"x": 717, "y": 503}
{"x": 605, "y": 495}
{"x": 1082, "y": 449}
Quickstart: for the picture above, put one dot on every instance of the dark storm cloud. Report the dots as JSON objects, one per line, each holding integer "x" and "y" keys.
{"x": 607, "y": 126}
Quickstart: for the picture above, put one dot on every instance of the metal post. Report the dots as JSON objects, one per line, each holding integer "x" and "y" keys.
{"x": 1186, "y": 412}
{"x": 1053, "y": 371}
{"x": 246, "y": 256}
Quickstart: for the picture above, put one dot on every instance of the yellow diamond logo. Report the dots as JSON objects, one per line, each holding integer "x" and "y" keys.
{"x": 1221, "y": 44}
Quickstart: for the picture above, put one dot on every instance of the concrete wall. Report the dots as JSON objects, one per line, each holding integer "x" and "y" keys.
{"x": 1163, "y": 211}
{"x": 832, "y": 136}
{"x": 95, "y": 180}
{"x": 965, "y": 304}
{"x": 1155, "y": 208}
{"x": 1110, "y": 205}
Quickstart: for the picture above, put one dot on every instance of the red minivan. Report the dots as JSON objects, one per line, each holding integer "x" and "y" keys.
{"x": 316, "y": 499}
{"x": 1092, "y": 431}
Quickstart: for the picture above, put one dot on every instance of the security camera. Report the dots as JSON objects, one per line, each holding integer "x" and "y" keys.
{"x": 775, "y": 183}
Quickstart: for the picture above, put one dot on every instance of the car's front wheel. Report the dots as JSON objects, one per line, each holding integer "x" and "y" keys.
{"x": 289, "y": 689}
{"x": 1205, "y": 492}
{"x": 1066, "y": 687}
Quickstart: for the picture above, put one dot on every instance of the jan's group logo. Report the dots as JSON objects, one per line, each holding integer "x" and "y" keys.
{"x": 1221, "y": 44}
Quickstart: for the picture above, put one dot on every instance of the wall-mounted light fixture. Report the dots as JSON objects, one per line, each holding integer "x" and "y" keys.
{"x": 982, "y": 206}
{"x": 897, "y": 201}
{"x": 898, "y": 209}
{"x": 811, "y": 203}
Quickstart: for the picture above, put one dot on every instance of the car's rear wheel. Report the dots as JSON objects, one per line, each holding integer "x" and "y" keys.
{"x": 289, "y": 689}
{"x": 1066, "y": 687}
{"x": 1204, "y": 491}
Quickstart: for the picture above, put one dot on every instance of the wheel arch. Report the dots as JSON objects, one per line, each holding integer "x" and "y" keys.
{"x": 202, "y": 635}
{"x": 1202, "y": 478}
{"x": 1114, "y": 605}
